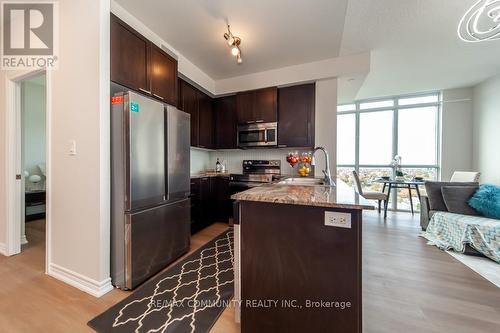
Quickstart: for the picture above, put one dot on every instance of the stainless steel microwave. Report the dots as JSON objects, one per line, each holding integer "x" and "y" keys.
{"x": 258, "y": 135}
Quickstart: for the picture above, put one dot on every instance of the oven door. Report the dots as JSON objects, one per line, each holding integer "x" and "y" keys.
{"x": 258, "y": 135}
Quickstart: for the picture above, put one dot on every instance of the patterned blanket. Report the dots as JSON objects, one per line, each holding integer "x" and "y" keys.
{"x": 452, "y": 231}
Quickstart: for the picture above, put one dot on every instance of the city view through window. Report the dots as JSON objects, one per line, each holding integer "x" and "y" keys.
{"x": 371, "y": 133}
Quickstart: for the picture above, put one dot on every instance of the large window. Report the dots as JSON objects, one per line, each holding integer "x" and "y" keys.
{"x": 370, "y": 133}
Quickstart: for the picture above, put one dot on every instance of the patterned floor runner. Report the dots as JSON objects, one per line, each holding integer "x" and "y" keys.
{"x": 188, "y": 297}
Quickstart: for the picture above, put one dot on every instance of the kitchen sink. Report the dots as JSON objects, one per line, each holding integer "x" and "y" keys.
{"x": 302, "y": 181}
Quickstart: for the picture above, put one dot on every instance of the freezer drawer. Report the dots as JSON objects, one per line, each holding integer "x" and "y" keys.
{"x": 155, "y": 238}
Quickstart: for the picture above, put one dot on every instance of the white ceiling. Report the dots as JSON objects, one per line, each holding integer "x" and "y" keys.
{"x": 274, "y": 33}
{"x": 415, "y": 46}
{"x": 414, "y": 43}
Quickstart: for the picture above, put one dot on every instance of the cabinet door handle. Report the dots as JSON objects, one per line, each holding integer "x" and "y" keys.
{"x": 282, "y": 146}
{"x": 259, "y": 121}
{"x": 145, "y": 91}
{"x": 158, "y": 96}
{"x": 201, "y": 146}
{"x": 250, "y": 121}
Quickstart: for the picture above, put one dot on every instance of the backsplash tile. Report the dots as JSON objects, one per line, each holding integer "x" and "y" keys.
{"x": 232, "y": 159}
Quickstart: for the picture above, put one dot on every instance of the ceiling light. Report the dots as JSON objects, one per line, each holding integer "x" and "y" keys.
{"x": 481, "y": 22}
{"x": 235, "y": 50}
{"x": 234, "y": 42}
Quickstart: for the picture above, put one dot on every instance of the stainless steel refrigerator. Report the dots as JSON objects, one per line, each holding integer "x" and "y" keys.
{"x": 150, "y": 186}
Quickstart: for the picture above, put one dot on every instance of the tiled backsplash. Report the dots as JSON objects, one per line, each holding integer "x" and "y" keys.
{"x": 200, "y": 161}
{"x": 232, "y": 158}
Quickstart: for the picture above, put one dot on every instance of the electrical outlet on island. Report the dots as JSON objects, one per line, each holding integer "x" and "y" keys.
{"x": 336, "y": 219}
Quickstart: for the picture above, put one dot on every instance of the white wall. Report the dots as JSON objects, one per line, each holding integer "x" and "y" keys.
{"x": 486, "y": 135}
{"x": 456, "y": 132}
{"x": 79, "y": 251}
{"x": 33, "y": 117}
{"x": 80, "y": 184}
{"x": 326, "y": 123}
{"x": 353, "y": 66}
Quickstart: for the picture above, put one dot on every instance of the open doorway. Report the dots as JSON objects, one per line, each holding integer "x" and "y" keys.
{"x": 27, "y": 216}
{"x": 33, "y": 165}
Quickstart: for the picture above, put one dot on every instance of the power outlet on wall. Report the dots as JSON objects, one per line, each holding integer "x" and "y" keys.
{"x": 336, "y": 219}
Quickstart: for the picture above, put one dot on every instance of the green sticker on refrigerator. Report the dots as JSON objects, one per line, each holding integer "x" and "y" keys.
{"x": 134, "y": 107}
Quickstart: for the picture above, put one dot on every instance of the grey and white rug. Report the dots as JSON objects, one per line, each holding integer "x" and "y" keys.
{"x": 188, "y": 297}
{"x": 485, "y": 267}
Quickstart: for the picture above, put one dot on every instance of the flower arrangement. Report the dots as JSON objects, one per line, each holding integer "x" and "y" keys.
{"x": 396, "y": 164}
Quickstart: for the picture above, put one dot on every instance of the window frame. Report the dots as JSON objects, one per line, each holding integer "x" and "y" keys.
{"x": 395, "y": 131}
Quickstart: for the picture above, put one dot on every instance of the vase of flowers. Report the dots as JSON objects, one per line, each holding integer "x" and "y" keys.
{"x": 396, "y": 164}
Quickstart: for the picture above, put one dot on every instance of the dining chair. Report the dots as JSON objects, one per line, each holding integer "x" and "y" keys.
{"x": 370, "y": 195}
{"x": 465, "y": 176}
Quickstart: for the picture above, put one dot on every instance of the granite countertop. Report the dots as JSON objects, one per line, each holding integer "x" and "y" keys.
{"x": 339, "y": 196}
{"x": 210, "y": 174}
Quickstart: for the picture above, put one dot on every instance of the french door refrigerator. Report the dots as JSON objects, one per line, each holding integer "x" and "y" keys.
{"x": 150, "y": 186}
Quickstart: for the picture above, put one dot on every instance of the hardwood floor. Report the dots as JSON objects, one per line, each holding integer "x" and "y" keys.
{"x": 408, "y": 286}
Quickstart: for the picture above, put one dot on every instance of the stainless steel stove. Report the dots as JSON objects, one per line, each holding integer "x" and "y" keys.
{"x": 255, "y": 173}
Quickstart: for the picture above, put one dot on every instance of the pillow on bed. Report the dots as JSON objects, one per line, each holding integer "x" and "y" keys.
{"x": 487, "y": 201}
{"x": 456, "y": 199}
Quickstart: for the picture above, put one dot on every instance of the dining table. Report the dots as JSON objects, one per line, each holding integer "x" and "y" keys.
{"x": 402, "y": 184}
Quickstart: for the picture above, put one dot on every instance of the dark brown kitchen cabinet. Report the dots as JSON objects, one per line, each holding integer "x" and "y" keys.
{"x": 210, "y": 201}
{"x": 163, "y": 76}
{"x": 257, "y": 106}
{"x": 223, "y": 203}
{"x": 226, "y": 122}
{"x": 296, "y": 116}
{"x": 189, "y": 102}
{"x": 140, "y": 65}
{"x": 245, "y": 107}
{"x": 266, "y": 105}
{"x": 206, "y": 122}
{"x": 130, "y": 56}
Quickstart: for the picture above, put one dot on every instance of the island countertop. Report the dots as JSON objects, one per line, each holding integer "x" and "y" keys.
{"x": 338, "y": 196}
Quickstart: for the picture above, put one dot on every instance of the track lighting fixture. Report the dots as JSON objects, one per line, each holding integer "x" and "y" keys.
{"x": 234, "y": 42}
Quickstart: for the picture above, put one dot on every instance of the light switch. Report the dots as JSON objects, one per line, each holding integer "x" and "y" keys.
{"x": 72, "y": 147}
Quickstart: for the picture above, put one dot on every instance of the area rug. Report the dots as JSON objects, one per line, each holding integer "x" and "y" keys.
{"x": 187, "y": 297}
{"x": 485, "y": 267}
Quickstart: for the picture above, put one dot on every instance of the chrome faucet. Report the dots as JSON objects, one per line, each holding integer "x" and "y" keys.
{"x": 328, "y": 176}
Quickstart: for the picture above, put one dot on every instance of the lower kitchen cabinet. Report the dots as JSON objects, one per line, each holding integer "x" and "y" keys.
{"x": 210, "y": 201}
{"x": 223, "y": 203}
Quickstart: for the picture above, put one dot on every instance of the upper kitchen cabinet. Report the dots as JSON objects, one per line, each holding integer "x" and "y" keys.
{"x": 189, "y": 102}
{"x": 206, "y": 126}
{"x": 226, "y": 122}
{"x": 296, "y": 116}
{"x": 244, "y": 107}
{"x": 130, "y": 54}
{"x": 163, "y": 76}
{"x": 140, "y": 65}
{"x": 257, "y": 106}
{"x": 266, "y": 105}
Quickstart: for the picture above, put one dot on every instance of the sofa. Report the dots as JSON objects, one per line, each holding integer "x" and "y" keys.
{"x": 450, "y": 223}
{"x": 434, "y": 195}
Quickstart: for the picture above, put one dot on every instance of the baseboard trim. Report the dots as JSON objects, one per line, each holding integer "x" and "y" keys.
{"x": 90, "y": 286}
{"x": 3, "y": 249}
{"x": 24, "y": 240}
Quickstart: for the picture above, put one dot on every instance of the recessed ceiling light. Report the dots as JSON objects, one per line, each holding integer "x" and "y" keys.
{"x": 481, "y": 22}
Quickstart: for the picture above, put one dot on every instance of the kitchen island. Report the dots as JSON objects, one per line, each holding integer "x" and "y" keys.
{"x": 298, "y": 258}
